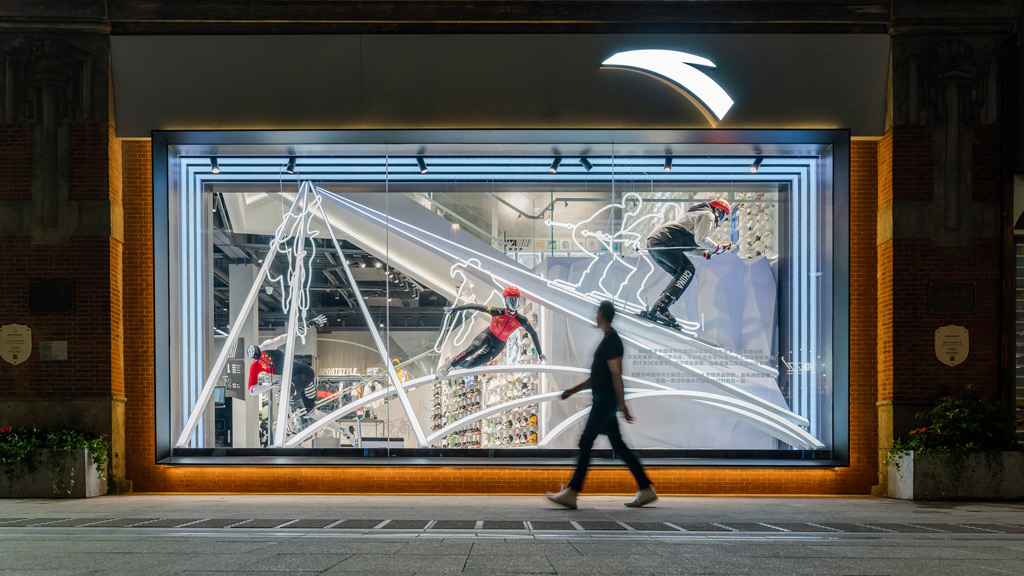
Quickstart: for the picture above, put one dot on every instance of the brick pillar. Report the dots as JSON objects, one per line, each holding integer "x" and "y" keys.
{"x": 139, "y": 311}
{"x": 60, "y": 222}
{"x": 940, "y": 227}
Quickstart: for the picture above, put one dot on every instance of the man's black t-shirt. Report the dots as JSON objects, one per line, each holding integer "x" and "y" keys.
{"x": 600, "y": 375}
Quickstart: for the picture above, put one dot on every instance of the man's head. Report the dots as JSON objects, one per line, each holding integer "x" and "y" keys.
{"x": 721, "y": 209}
{"x": 605, "y": 312}
{"x": 253, "y": 351}
{"x": 511, "y": 296}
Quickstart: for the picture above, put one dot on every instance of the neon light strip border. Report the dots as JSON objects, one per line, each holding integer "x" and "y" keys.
{"x": 800, "y": 172}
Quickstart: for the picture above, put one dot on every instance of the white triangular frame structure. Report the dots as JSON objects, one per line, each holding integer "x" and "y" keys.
{"x": 776, "y": 421}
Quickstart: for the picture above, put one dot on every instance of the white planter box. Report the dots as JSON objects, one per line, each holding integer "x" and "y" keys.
{"x": 87, "y": 481}
{"x": 930, "y": 477}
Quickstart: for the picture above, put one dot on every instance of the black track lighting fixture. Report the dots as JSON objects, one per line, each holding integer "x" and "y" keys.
{"x": 756, "y": 164}
{"x": 668, "y": 163}
{"x": 291, "y": 165}
{"x": 586, "y": 164}
{"x": 554, "y": 164}
{"x": 214, "y": 166}
{"x": 422, "y": 165}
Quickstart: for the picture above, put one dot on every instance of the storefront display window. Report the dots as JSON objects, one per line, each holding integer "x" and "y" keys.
{"x": 429, "y": 294}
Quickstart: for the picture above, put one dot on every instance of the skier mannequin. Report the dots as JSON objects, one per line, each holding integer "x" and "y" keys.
{"x": 489, "y": 343}
{"x": 269, "y": 359}
{"x": 669, "y": 244}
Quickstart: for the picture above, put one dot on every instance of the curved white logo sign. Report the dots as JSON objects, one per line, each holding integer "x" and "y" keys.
{"x": 675, "y": 69}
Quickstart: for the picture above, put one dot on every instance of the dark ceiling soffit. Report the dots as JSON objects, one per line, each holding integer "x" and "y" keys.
{"x": 483, "y": 16}
{"x": 498, "y": 136}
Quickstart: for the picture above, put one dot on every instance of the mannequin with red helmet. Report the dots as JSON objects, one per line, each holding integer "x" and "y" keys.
{"x": 671, "y": 244}
{"x": 491, "y": 342}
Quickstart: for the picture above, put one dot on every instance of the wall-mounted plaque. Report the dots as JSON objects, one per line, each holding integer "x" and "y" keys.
{"x": 50, "y": 350}
{"x": 15, "y": 343}
{"x": 51, "y": 296}
{"x": 951, "y": 298}
{"x": 952, "y": 344}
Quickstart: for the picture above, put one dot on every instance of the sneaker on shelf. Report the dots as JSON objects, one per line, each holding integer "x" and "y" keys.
{"x": 566, "y": 497}
{"x": 643, "y": 497}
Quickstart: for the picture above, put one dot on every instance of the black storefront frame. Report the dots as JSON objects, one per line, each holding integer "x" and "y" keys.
{"x": 163, "y": 143}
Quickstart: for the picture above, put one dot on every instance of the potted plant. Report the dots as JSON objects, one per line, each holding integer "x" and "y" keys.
{"x": 37, "y": 463}
{"x": 968, "y": 451}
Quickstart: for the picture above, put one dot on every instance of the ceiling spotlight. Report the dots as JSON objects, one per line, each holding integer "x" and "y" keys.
{"x": 422, "y": 164}
{"x": 668, "y": 163}
{"x": 362, "y": 264}
{"x": 586, "y": 164}
{"x": 214, "y": 166}
{"x": 377, "y": 264}
{"x": 756, "y": 164}
{"x": 291, "y": 165}
{"x": 269, "y": 289}
{"x": 554, "y": 164}
{"x": 455, "y": 227}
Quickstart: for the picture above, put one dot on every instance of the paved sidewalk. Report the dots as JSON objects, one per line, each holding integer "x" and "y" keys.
{"x": 390, "y": 535}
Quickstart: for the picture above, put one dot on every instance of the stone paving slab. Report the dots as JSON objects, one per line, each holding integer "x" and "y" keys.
{"x": 651, "y": 526}
{"x": 119, "y": 522}
{"x": 953, "y": 528}
{"x": 168, "y": 523}
{"x": 1004, "y": 528}
{"x": 406, "y": 525}
{"x": 310, "y": 523}
{"x": 24, "y": 522}
{"x": 216, "y": 523}
{"x": 751, "y": 527}
{"x": 551, "y": 525}
{"x": 504, "y": 525}
{"x": 73, "y": 522}
{"x": 702, "y": 527}
{"x": 600, "y": 525}
{"x": 454, "y": 525}
{"x": 799, "y": 527}
{"x": 849, "y": 527}
{"x": 357, "y": 524}
{"x": 261, "y": 523}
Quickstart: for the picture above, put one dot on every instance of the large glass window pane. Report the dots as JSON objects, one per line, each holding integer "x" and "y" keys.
{"x": 421, "y": 299}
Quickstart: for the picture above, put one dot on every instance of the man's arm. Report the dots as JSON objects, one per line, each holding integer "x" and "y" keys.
{"x": 274, "y": 343}
{"x": 615, "y": 365}
{"x": 577, "y": 388}
{"x": 703, "y": 225}
{"x": 533, "y": 336}
{"x": 277, "y": 341}
{"x": 476, "y": 307}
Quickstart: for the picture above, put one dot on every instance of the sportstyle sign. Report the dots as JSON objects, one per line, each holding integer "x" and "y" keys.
{"x": 677, "y": 69}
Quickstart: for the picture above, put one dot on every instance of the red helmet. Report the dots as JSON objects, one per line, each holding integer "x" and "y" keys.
{"x": 511, "y": 297}
{"x": 721, "y": 204}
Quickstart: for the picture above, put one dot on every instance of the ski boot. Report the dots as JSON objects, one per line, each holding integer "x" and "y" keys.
{"x": 442, "y": 372}
{"x": 659, "y": 313}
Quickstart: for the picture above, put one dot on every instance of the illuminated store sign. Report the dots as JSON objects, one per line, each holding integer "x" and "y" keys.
{"x": 675, "y": 69}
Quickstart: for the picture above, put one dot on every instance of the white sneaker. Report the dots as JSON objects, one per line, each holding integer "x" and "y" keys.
{"x": 643, "y": 497}
{"x": 565, "y": 498}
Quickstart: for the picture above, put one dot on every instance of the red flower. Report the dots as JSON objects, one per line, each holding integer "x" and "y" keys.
{"x": 7, "y": 429}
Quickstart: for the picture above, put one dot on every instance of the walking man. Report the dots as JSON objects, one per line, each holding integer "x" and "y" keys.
{"x": 606, "y": 386}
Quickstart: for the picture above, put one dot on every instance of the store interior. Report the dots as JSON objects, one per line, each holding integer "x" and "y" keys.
{"x": 349, "y": 257}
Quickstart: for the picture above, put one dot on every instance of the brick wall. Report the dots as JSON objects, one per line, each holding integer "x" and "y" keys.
{"x": 918, "y": 375}
{"x": 149, "y": 477}
{"x": 75, "y": 392}
{"x": 89, "y": 149}
{"x": 85, "y": 261}
{"x": 863, "y": 307}
{"x": 15, "y": 162}
{"x": 137, "y": 276}
{"x": 884, "y": 269}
